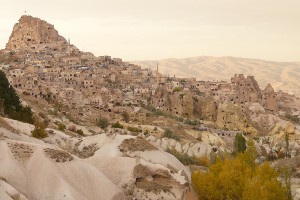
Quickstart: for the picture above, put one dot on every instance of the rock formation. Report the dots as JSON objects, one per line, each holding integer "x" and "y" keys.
{"x": 177, "y": 103}
{"x": 268, "y": 100}
{"x": 231, "y": 117}
{"x": 246, "y": 90}
{"x": 34, "y": 34}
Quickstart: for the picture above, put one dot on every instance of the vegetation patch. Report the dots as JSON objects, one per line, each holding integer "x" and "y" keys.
{"x": 239, "y": 178}
{"x": 293, "y": 118}
{"x": 117, "y": 125}
{"x": 61, "y": 127}
{"x": 153, "y": 112}
{"x": 134, "y": 129}
{"x": 192, "y": 122}
{"x": 184, "y": 158}
{"x": 39, "y": 132}
{"x": 10, "y": 104}
{"x": 86, "y": 152}
{"x": 136, "y": 144}
{"x": 21, "y": 152}
{"x": 102, "y": 122}
{"x": 58, "y": 155}
{"x": 170, "y": 134}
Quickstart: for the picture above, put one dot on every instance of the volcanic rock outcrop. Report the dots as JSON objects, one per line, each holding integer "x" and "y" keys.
{"x": 33, "y": 34}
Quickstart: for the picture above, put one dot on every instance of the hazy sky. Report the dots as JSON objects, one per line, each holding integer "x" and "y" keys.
{"x": 156, "y": 29}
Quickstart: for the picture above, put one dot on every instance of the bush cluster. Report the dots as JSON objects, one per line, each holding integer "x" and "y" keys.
{"x": 61, "y": 127}
{"x": 134, "y": 129}
{"x": 39, "y": 132}
{"x": 102, "y": 122}
{"x": 239, "y": 178}
{"x": 183, "y": 158}
{"x": 117, "y": 125}
{"x": 170, "y": 134}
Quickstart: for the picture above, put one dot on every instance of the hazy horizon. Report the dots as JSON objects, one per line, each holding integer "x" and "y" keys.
{"x": 143, "y": 30}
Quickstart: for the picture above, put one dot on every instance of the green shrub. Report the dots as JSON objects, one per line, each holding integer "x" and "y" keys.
{"x": 117, "y": 125}
{"x": 191, "y": 122}
{"x": 39, "y": 132}
{"x": 102, "y": 122}
{"x": 177, "y": 89}
{"x": 293, "y": 118}
{"x": 239, "y": 143}
{"x": 170, "y": 134}
{"x": 183, "y": 158}
{"x": 79, "y": 132}
{"x": 134, "y": 129}
{"x": 61, "y": 127}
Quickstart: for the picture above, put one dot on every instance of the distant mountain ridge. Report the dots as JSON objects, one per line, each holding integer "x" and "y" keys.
{"x": 282, "y": 75}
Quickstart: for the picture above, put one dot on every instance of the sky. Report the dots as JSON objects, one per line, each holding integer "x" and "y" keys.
{"x": 159, "y": 29}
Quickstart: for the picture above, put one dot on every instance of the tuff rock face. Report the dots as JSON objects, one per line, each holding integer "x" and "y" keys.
{"x": 231, "y": 117}
{"x": 246, "y": 90}
{"x": 269, "y": 99}
{"x": 34, "y": 34}
{"x": 226, "y": 104}
{"x": 178, "y": 103}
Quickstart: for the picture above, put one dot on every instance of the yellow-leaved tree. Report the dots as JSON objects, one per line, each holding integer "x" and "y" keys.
{"x": 239, "y": 178}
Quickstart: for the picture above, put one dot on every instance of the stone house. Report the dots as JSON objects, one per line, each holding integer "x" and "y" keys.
{"x": 71, "y": 61}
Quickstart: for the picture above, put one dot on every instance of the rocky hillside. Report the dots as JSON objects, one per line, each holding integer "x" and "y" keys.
{"x": 104, "y": 166}
{"x": 107, "y": 129}
{"x": 282, "y": 75}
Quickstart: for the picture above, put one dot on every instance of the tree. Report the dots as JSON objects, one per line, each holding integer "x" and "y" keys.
{"x": 250, "y": 154}
{"x": 10, "y": 102}
{"x": 239, "y": 178}
{"x": 102, "y": 122}
{"x": 287, "y": 181}
{"x": 239, "y": 143}
{"x": 264, "y": 185}
{"x": 287, "y": 145}
{"x": 1, "y": 107}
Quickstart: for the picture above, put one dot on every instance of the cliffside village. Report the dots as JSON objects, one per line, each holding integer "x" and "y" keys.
{"x": 48, "y": 67}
